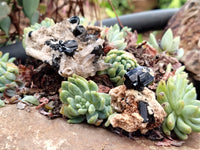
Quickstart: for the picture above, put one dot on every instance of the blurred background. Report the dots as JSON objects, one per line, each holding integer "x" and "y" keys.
{"x": 15, "y": 15}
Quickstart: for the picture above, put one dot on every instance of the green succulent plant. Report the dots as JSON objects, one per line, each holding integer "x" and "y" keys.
{"x": 47, "y": 22}
{"x": 121, "y": 61}
{"x": 115, "y": 37}
{"x": 168, "y": 43}
{"x": 8, "y": 71}
{"x": 178, "y": 99}
{"x": 81, "y": 101}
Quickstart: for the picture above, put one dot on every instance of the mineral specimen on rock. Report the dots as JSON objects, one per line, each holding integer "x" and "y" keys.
{"x": 136, "y": 110}
{"x": 59, "y": 54}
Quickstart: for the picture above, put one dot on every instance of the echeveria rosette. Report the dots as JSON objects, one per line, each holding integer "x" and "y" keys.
{"x": 8, "y": 72}
{"x": 81, "y": 100}
{"x": 47, "y": 22}
{"x": 178, "y": 99}
{"x": 168, "y": 43}
{"x": 121, "y": 62}
{"x": 115, "y": 37}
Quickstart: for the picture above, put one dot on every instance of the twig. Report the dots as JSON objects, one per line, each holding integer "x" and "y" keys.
{"x": 116, "y": 14}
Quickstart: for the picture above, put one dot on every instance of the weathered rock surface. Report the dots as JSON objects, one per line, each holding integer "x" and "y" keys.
{"x": 137, "y": 110}
{"x": 186, "y": 24}
{"x": 24, "y": 130}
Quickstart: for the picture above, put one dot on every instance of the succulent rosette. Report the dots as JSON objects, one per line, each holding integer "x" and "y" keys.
{"x": 121, "y": 62}
{"x": 168, "y": 43}
{"x": 8, "y": 71}
{"x": 115, "y": 37}
{"x": 81, "y": 100}
{"x": 178, "y": 99}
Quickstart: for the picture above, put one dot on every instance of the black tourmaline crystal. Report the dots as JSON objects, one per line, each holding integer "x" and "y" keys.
{"x": 68, "y": 47}
{"x": 30, "y": 33}
{"x": 74, "y": 19}
{"x": 79, "y": 30}
{"x": 142, "y": 107}
{"x": 143, "y": 110}
{"x": 98, "y": 50}
{"x": 138, "y": 78}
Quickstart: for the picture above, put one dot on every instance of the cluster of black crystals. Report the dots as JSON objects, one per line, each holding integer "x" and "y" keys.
{"x": 138, "y": 78}
{"x": 142, "y": 105}
{"x": 68, "y": 47}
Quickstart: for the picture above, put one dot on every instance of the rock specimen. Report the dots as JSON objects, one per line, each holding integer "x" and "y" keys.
{"x": 67, "y": 46}
{"x": 81, "y": 100}
{"x": 136, "y": 110}
{"x": 178, "y": 98}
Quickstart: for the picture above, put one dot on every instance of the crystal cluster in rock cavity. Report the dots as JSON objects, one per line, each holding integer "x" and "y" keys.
{"x": 67, "y": 46}
{"x": 135, "y": 110}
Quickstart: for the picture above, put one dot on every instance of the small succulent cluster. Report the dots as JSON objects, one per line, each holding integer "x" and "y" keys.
{"x": 121, "y": 62}
{"x": 81, "y": 101}
{"x": 178, "y": 99}
{"x": 168, "y": 43}
{"x": 115, "y": 37}
{"x": 47, "y": 22}
{"x": 8, "y": 71}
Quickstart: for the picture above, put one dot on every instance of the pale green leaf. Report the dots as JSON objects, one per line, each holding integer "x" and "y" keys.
{"x": 31, "y": 99}
{"x": 29, "y": 7}
{"x": 153, "y": 41}
{"x": 2, "y": 103}
{"x": 5, "y": 24}
{"x": 35, "y": 17}
{"x": 167, "y": 40}
{"x": 4, "y": 10}
{"x": 175, "y": 44}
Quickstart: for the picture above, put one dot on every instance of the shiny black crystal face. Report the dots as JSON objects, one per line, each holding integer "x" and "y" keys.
{"x": 74, "y": 19}
{"x": 143, "y": 109}
{"x": 30, "y": 33}
{"x": 98, "y": 50}
{"x": 68, "y": 47}
{"x": 79, "y": 30}
{"x": 138, "y": 78}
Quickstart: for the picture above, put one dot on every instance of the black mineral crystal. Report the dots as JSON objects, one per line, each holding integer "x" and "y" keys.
{"x": 138, "y": 78}
{"x": 74, "y": 19}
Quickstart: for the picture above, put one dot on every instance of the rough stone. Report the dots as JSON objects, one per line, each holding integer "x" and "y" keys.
{"x": 24, "y": 130}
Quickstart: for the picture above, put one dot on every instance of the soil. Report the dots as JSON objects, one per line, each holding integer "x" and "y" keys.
{"x": 27, "y": 129}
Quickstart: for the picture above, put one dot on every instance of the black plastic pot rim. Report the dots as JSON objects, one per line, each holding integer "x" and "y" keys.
{"x": 144, "y": 21}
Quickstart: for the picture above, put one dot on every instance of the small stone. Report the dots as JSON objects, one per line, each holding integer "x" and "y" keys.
{"x": 79, "y": 30}
{"x": 97, "y": 50}
{"x": 48, "y": 42}
{"x": 68, "y": 51}
{"x": 29, "y": 34}
{"x": 74, "y": 19}
{"x": 21, "y": 105}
